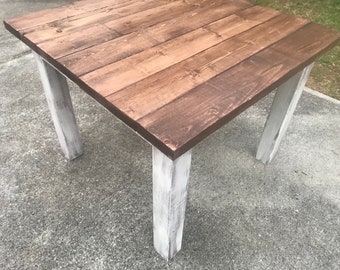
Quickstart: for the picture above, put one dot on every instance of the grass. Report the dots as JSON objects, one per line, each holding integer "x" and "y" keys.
{"x": 325, "y": 76}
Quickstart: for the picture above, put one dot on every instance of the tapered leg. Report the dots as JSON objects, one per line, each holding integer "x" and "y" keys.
{"x": 284, "y": 104}
{"x": 170, "y": 184}
{"x": 60, "y": 104}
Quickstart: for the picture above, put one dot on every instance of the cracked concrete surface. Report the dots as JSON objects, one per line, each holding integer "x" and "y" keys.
{"x": 96, "y": 212}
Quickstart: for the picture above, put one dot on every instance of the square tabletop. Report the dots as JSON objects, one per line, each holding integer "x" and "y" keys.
{"x": 173, "y": 70}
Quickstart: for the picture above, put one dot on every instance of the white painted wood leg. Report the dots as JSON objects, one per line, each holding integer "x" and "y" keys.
{"x": 284, "y": 104}
{"x": 170, "y": 185}
{"x": 60, "y": 104}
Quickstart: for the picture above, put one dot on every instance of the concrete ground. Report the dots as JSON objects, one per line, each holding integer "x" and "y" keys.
{"x": 96, "y": 212}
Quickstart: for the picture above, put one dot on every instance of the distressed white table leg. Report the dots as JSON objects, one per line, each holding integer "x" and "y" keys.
{"x": 60, "y": 104}
{"x": 170, "y": 184}
{"x": 284, "y": 104}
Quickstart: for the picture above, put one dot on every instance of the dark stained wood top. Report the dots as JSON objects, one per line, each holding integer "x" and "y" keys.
{"x": 173, "y": 70}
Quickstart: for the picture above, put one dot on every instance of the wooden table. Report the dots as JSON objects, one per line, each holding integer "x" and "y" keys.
{"x": 174, "y": 71}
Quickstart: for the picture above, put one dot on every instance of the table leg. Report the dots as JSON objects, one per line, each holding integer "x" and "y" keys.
{"x": 284, "y": 104}
{"x": 60, "y": 104}
{"x": 170, "y": 185}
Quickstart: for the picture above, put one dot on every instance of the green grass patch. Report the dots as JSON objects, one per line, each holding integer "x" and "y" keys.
{"x": 325, "y": 76}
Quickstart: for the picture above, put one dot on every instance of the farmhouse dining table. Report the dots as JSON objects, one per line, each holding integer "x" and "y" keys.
{"x": 174, "y": 71}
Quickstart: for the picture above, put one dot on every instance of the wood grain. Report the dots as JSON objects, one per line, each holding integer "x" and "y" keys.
{"x": 85, "y": 61}
{"x": 159, "y": 90}
{"x": 189, "y": 119}
{"x": 38, "y": 18}
{"x": 113, "y": 77}
{"x": 67, "y": 26}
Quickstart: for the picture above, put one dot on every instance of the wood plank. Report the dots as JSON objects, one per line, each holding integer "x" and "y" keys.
{"x": 90, "y": 59}
{"x": 81, "y": 39}
{"x": 150, "y": 17}
{"x": 186, "y": 121}
{"x": 195, "y": 18}
{"x": 114, "y": 77}
{"x": 173, "y": 82}
{"x": 41, "y": 17}
{"x": 68, "y": 26}
{"x": 65, "y": 46}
